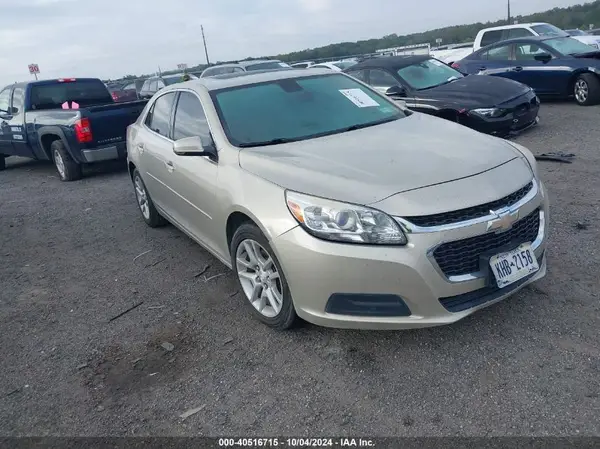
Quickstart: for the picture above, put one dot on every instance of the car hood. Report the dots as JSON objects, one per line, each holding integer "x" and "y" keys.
{"x": 473, "y": 92}
{"x": 587, "y": 39}
{"x": 370, "y": 164}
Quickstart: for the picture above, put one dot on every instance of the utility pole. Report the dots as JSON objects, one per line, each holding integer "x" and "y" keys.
{"x": 508, "y": 5}
{"x": 205, "y": 49}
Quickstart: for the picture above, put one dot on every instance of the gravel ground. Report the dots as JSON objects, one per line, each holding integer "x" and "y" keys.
{"x": 69, "y": 263}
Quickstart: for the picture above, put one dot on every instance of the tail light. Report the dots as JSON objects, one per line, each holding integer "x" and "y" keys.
{"x": 114, "y": 96}
{"x": 455, "y": 65}
{"x": 67, "y": 80}
{"x": 83, "y": 131}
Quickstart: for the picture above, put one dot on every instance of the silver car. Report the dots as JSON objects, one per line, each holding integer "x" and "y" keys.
{"x": 244, "y": 66}
{"x": 334, "y": 204}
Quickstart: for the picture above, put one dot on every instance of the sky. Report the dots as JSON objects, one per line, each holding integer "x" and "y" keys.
{"x": 113, "y": 38}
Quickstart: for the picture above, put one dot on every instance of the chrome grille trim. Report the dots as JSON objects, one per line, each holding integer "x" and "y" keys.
{"x": 410, "y": 228}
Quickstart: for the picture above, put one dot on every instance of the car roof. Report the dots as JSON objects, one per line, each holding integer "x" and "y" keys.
{"x": 247, "y": 78}
{"x": 524, "y": 39}
{"x": 392, "y": 62}
{"x": 516, "y": 25}
{"x": 256, "y": 61}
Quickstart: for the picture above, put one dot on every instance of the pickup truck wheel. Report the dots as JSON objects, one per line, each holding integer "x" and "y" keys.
{"x": 587, "y": 89}
{"x": 149, "y": 212}
{"x": 68, "y": 169}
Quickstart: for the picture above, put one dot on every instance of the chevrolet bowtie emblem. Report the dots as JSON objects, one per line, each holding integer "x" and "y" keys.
{"x": 504, "y": 220}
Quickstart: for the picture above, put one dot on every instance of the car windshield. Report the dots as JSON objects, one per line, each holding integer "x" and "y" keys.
{"x": 569, "y": 46}
{"x": 292, "y": 109}
{"x": 548, "y": 30}
{"x": 83, "y": 92}
{"x": 344, "y": 64}
{"x": 267, "y": 65}
{"x": 429, "y": 73}
{"x": 577, "y": 33}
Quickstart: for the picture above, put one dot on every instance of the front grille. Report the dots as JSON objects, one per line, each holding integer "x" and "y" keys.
{"x": 470, "y": 213}
{"x": 462, "y": 256}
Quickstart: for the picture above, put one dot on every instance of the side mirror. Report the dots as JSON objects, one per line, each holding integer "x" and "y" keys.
{"x": 543, "y": 57}
{"x": 195, "y": 146}
{"x": 396, "y": 91}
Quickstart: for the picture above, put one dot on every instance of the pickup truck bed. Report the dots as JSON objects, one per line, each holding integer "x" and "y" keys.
{"x": 70, "y": 122}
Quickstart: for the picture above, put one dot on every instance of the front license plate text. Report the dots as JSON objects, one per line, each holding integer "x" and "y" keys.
{"x": 514, "y": 265}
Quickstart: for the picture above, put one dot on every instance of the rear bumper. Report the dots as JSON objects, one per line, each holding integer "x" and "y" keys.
{"x": 108, "y": 153}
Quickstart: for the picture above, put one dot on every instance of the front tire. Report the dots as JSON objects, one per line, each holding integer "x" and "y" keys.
{"x": 587, "y": 89}
{"x": 145, "y": 204}
{"x": 68, "y": 169}
{"x": 261, "y": 278}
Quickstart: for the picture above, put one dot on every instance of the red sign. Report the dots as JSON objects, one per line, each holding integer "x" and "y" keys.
{"x": 34, "y": 68}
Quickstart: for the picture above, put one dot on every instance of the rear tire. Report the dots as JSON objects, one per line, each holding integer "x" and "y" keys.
{"x": 260, "y": 266}
{"x": 145, "y": 204}
{"x": 586, "y": 89}
{"x": 68, "y": 169}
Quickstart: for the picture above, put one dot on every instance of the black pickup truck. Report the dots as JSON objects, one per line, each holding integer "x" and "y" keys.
{"x": 69, "y": 121}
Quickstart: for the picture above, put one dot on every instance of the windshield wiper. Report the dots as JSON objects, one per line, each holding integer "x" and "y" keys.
{"x": 276, "y": 141}
{"x": 366, "y": 125}
{"x": 448, "y": 81}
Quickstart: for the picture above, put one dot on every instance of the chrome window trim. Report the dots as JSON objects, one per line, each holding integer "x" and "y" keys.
{"x": 410, "y": 228}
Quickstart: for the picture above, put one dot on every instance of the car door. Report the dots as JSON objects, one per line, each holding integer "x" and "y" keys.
{"x": 194, "y": 177}
{"x": 5, "y": 132}
{"x": 18, "y": 132}
{"x": 496, "y": 61}
{"x": 155, "y": 148}
{"x": 545, "y": 77}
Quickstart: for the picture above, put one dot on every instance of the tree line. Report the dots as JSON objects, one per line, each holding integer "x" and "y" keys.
{"x": 579, "y": 16}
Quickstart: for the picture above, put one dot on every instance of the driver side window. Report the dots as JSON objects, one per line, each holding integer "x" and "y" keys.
{"x": 5, "y": 100}
{"x": 527, "y": 52}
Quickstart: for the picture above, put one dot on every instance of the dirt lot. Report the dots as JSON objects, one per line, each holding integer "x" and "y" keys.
{"x": 527, "y": 366}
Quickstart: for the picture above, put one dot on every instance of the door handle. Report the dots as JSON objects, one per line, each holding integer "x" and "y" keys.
{"x": 517, "y": 69}
{"x": 140, "y": 147}
{"x": 170, "y": 166}
{"x": 482, "y": 68}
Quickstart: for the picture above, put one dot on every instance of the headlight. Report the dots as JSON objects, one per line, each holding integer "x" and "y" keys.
{"x": 490, "y": 112}
{"x": 343, "y": 222}
{"x": 528, "y": 155}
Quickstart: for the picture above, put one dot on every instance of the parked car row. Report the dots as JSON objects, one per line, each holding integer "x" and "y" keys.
{"x": 283, "y": 174}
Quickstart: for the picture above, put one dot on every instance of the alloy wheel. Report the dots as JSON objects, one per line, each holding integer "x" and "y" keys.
{"x": 581, "y": 91}
{"x": 142, "y": 197}
{"x": 60, "y": 164}
{"x": 259, "y": 278}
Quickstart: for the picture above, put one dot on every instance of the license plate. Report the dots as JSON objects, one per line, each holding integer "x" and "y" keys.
{"x": 514, "y": 265}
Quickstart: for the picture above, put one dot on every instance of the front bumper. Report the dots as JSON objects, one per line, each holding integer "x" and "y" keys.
{"x": 320, "y": 272}
{"x": 522, "y": 115}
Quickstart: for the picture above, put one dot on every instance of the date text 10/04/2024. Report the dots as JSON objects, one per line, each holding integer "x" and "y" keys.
{"x": 296, "y": 442}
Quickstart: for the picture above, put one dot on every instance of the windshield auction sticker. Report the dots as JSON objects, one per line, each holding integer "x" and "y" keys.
{"x": 359, "y": 98}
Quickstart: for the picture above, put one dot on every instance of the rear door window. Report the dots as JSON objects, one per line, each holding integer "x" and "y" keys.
{"x": 502, "y": 53}
{"x": 514, "y": 33}
{"x": 491, "y": 37}
{"x": 82, "y": 92}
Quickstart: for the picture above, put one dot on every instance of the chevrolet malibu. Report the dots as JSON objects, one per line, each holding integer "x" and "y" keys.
{"x": 334, "y": 204}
